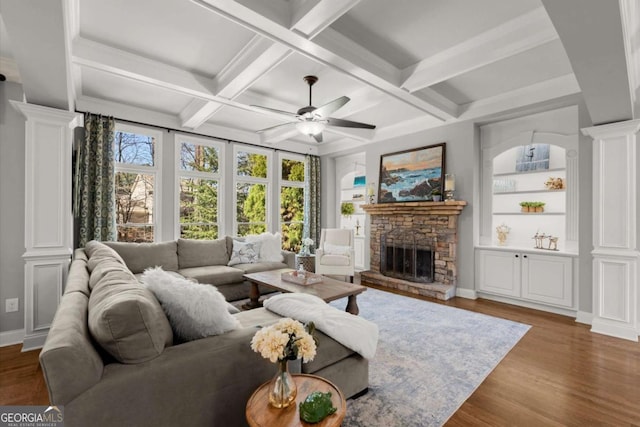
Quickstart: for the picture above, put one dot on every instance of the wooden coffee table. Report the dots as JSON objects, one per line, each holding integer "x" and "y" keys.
{"x": 260, "y": 414}
{"x": 328, "y": 290}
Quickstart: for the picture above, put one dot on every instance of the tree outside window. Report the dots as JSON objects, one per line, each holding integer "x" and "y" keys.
{"x": 251, "y": 193}
{"x": 292, "y": 203}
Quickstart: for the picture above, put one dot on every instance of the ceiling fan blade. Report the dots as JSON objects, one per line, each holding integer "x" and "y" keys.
{"x": 273, "y": 110}
{"x": 348, "y": 124}
{"x": 331, "y": 107}
{"x": 318, "y": 137}
{"x": 275, "y": 127}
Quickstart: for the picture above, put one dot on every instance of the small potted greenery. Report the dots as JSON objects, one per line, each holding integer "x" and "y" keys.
{"x": 436, "y": 195}
{"x": 524, "y": 206}
{"x": 538, "y": 206}
{"x": 347, "y": 209}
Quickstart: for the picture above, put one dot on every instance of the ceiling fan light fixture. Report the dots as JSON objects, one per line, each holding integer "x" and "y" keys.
{"x": 310, "y": 128}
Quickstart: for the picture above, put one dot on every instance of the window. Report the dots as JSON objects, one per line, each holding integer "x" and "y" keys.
{"x": 292, "y": 183}
{"x": 252, "y": 175}
{"x": 136, "y": 152}
{"x": 199, "y": 187}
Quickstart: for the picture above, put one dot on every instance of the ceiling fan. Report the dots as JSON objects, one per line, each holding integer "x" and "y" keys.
{"x": 311, "y": 121}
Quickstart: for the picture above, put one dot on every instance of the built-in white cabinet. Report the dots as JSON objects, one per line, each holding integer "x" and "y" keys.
{"x": 539, "y": 278}
{"x": 359, "y": 252}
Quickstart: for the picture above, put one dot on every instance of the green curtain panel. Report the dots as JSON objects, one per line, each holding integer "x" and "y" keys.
{"x": 95, "y": 181}
{"x": 312, "y": 201}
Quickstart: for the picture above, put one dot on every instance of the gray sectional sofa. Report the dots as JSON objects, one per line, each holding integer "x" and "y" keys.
{"x": 141, "y": 376}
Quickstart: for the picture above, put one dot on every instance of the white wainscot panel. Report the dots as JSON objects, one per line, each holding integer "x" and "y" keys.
{"x": 47, "y": 288}
{"x": 614, "y": 293}
{"x": 614, "y": 231}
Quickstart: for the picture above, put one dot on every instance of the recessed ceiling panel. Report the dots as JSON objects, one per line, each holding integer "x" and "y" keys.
{"x": 532, "y": 66}
{"x": 176, "y": 32}
{"x": 404, "y": 32}
{"x": 286, "y": 85}
{"x": 109, "y": 87}
{"x": 241, "y": 119}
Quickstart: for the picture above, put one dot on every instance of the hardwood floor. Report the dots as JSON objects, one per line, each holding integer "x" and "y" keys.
{"x": 559, "y": 374}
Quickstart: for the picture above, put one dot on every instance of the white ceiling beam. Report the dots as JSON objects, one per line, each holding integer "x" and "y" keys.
{"x": 335, "y": 57}
{"x": 279, "y": 134}
{"x": 311, "y": 17}
{"x": 258, "y": 57}
{"x": 537, "y": 93}
{"x": 520, "y": 34}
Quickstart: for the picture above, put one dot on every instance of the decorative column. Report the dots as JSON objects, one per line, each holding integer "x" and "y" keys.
{"x": 615, "y": 221}
{"x": 48, "y": 234}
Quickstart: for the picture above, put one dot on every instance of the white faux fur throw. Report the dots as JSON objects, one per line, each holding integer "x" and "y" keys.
{"x": 356, "y": 333}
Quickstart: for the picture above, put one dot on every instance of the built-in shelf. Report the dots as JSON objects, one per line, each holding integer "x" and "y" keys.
{"x": 527, "y": 192}
{"x": 528, "y": 213}
{"x": 529, "y": 172}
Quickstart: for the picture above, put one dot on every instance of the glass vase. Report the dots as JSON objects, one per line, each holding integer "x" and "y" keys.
{"x": 283, "y": 390}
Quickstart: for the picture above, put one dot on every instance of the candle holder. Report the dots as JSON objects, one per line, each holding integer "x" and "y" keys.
{"x": 371, "y": 192}
{"x": 449, "y": 186}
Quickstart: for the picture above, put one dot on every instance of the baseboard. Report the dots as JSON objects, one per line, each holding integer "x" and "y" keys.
{"x": 466, "y": 293}
{"x": 527, "y": 304}
{"x": 11, "y": 337}
{"x": 34, "y": 342}
{"x": 584, "y": 317}
{"x": 613, "y": 329}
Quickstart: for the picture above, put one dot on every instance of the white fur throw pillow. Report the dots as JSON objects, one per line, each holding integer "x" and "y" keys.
{"x": 270, "y": 246}
{"x": 194, "y": 310}
{"x": 244, "y": 253}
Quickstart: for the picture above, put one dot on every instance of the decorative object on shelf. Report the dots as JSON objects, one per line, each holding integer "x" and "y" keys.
{"x": 357, "y": 227}
{"x": 554, "y": 183}
{"x": 532, "y": 207}
{"x": 411, "y": 175}
{"x": 371, "y": 192}
{"x": 305, "y": 250}
{"x": 359, "y": 181}
{"x": 286, "y": 340}
{"x": 502, "y": 230}
{"x": 436, "y": 195}
{"x": 532, "y": 157}
{"x": 504, "y": 185}
{"x": 449, "y": 186}
{"x": 357, "y": 197}
{"x": 540, "y": 238}
{"x": 347, "y": 209}
{"x": 316, "y": 407}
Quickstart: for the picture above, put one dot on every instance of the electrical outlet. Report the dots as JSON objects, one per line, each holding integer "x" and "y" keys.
{"x": 11, "y": 305}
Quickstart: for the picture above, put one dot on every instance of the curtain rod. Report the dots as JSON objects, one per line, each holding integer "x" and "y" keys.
{"x": 168, "y": 129}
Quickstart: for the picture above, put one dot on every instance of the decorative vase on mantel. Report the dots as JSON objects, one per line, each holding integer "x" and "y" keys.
{"x": 283, "y": 389}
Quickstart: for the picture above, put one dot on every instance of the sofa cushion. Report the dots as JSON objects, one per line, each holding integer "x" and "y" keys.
{"x": 140, "y": 256}
{"x": 213, "y": 274}
{"x": 244, "y": 253}
{"x": 260, "y": 266}
{"x": 126, "y": 319}
{"x": 270, "y": 246}
{"x": 98, "y": 251}
{"x": 194, "y": 310}
{"x": 198, "y": 253}
{"x": 335, "y": 260}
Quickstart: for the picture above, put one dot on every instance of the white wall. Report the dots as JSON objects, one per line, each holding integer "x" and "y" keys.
{"x": 12, "y": 172}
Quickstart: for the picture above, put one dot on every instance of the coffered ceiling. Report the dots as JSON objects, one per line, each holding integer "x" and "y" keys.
{"x": 202, "y": 65}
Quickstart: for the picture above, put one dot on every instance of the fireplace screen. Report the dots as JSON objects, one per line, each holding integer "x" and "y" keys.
{"x": 407, "y": 254}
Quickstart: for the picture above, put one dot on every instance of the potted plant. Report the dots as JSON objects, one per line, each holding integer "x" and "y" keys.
{"x": 436, "y": 195}
{"x": 524, "y": 206}
{"x": 347, "y": 209}
{"x": 538, "y": 206}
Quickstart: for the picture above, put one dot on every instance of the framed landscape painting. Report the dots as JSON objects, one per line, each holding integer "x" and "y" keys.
{"x": 413, "y": 175}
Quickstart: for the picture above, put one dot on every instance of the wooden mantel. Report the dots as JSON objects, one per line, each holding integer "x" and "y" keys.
{"x": 453, "y": 207}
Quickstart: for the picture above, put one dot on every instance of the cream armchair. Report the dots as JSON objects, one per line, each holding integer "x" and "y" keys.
{"x": 336, "y": 254}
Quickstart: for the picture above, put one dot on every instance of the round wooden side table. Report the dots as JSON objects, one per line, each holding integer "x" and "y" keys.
{"x": 260, "y": 414}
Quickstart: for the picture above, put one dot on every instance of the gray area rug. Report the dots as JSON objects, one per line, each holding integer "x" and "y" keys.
{"x": 430, "y": 358}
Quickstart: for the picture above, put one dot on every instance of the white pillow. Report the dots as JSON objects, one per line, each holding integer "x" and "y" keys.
{"x": 270, "y": 248}
{"x": 336, "y": 249}
{"x": 194, "y": 310}
{"x": 243, "y": 253}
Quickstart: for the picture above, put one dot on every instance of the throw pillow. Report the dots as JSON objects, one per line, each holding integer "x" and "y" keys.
{"x": 271, "y": 248}
{"x": 336, "y": 249}
{"x": 243, "y": 253}
{"x": 194, "y": 310}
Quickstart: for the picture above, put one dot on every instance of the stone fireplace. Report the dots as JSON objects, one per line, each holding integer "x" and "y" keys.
{"x": 413, "y": 247}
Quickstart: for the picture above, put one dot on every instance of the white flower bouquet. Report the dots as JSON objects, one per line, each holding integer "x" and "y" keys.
{"x": 286, "y": 340}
